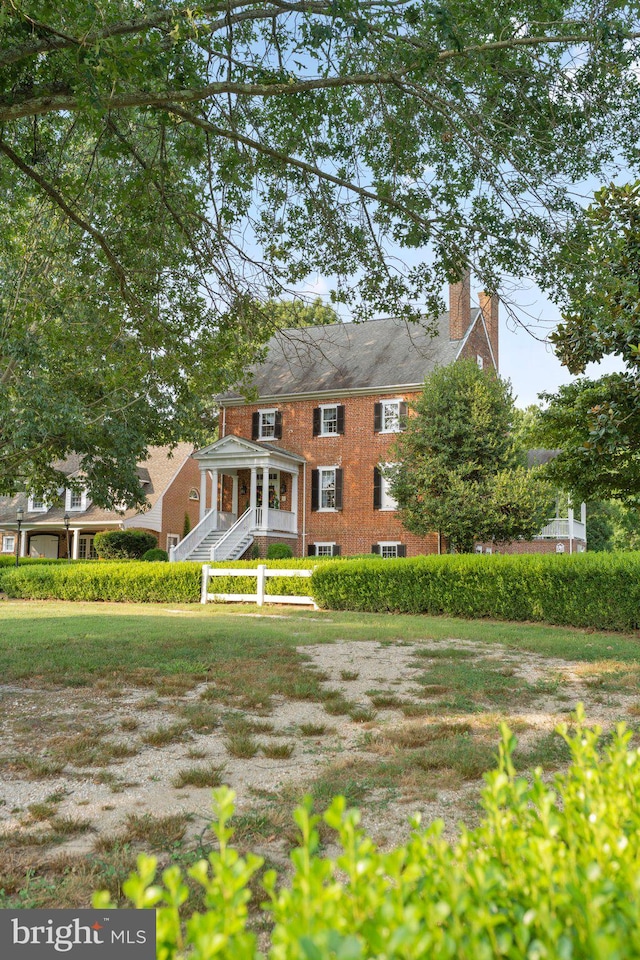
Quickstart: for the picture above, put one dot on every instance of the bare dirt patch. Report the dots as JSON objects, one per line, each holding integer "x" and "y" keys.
{"x": 402, "y": 727}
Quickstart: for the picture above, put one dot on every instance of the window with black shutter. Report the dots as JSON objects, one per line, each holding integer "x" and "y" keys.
{"x": 336, "y": 550}
{"x": 317, "y": 423}
{"x": 402, "y": 550}
{"x": 277, "y": 432}
{"x": 255, "y": 426}
{"x": 340, "y": 413}
{"x": 311, "y": 550}
{"x": 377, "y": 489}
{"x": 375, "y": 548}
{"x": 338, "y": 501}
{"x": 315, "y": 489}
{"x": 377, "y": 417}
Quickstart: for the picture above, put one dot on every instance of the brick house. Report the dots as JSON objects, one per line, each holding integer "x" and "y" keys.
{"x": 171, "y": 483}
{"x": 329, "y": 403}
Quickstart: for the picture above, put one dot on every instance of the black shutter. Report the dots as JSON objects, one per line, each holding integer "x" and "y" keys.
{"x": 377, "y": 417}
{"x": 338, "y": 489}
{"x": 311, "y": 550}
{"x": 375, "y": 548}
{"x": 315, "y": 489}
{"x": 340, "y": 419}
{"x": 402, "y": 550}
{"x": 336, "y": 550}
{"x": 403, "y": 415}
{"x": 316, "y": 421}
{"x": 377, "y": 489}
{"x": 277, "y": 430}
{"x": 255, "y": 426}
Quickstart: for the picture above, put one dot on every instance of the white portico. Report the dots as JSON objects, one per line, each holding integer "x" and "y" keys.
{"x": 246, "y": 489}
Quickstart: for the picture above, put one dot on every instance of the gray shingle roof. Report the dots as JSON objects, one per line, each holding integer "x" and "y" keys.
{"x": 155, "y": 474}
{"x": 351, "y": 356}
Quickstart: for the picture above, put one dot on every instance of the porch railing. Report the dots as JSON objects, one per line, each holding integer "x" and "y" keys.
{"x": 283, "y": 520}
{"x": 559, "y": 528}
{"x": 244, "y": 525}
{"x": 195, "y": 537}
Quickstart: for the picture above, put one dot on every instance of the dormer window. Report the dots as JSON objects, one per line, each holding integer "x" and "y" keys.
{"x": 266, "y": 425}
{"x": 37, "y": 505}
{"x": 76, "y": 501}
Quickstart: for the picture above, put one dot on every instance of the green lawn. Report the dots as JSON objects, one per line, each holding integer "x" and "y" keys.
{"x": 75, "y": 643}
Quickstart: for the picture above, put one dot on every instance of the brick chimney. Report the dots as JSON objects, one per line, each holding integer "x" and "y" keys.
{"x": 460, "y": 307}
{"x": 489, "y": 304}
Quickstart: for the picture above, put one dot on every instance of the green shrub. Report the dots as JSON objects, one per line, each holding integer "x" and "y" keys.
{"x": 279, "y": 551}
{"x": 155, "y": 554}
{"x": 585, "y": 590}
{"x": 123, "y": 544}
{"x": 550, "y": 872}
{"x": 138, "y": 582}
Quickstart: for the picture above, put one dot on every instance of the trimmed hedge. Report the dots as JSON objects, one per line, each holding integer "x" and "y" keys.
{"x": 585, "y": 590}
{"x": 123, "y": 544}
{"x": 551, "y": 871}
{"x": 155, "y": 555}
{"x": 139, "y": 582}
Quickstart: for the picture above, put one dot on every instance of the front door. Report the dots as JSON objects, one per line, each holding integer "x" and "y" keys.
{"x": 274, "y": 489}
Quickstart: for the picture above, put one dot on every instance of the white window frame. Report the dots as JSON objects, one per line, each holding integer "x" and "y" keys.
{"x": 387, "y": 503}
{"x": 6, "y": 537}
{"x": 324, "y": 407}
{"x": 387, "y": 545}
{"x": 321, "y": 471}
{"x": 37, "y": 506}
{"x": 261, "y": 424}
{"x": 193, "y": 494}
{"x": 323, "y": 545}
{"x": 173, "y": 539}
{"x": 68, "y": 505}
{"x": 396, "y": 427}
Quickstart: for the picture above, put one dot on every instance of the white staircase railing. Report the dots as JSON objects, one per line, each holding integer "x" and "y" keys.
{"x": 195, "y": 537}
{"x": 234, "y": 535}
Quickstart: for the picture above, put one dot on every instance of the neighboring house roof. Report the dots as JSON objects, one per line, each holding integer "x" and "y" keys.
{"x": 338, "y": 357}
{"x": 156, "y": 474}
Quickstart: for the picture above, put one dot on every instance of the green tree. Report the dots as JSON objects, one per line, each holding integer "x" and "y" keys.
{"x": 596, "y": 422}
{"x": 166, "y": 165}
{"x": 459, "y": 470}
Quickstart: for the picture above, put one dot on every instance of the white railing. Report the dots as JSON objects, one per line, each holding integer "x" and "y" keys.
{"x": 234, "y": 534}
{"x": 195, "y": 537}
{"x": 261, "y": 572}
{"x": 560, "y": 528}
{"x": 283, "y": 520}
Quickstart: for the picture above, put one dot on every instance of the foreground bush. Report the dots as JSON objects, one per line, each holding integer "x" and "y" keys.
{"x": 551, "y": 872}
{"x": 586, "y": 590}
{"x": 137, "y": 581}
{"x": 123, "y": 544}
{"x": 155, "y": 555}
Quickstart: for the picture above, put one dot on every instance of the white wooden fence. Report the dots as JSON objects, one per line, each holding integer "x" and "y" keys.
{"x": 261, "y": 572}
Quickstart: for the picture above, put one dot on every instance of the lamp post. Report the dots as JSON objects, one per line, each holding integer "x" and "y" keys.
{"x": 19, "y": 518}
{"x": 66, "y": 519}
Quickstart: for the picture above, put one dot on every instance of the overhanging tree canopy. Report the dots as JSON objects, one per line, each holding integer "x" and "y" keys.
{"x": 163, "y": 165}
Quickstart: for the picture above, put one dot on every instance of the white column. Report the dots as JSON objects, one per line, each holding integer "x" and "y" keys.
{"x": 234, "y": 495}
{"x": 253, "y": 489}
{"x": 214, "y": 489}
{"x": 294, "y": 497}
{"x": 570, "y": 514}
{"x": 23, "y": 543}
{"x": 203, "y": 493}
{"x": 75, "y": 549}
{"x": 265, "y": 496}
{"x": 583, "y": 513}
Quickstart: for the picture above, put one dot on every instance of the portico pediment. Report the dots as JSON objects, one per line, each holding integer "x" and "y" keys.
{"x": 238, "y": 453}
